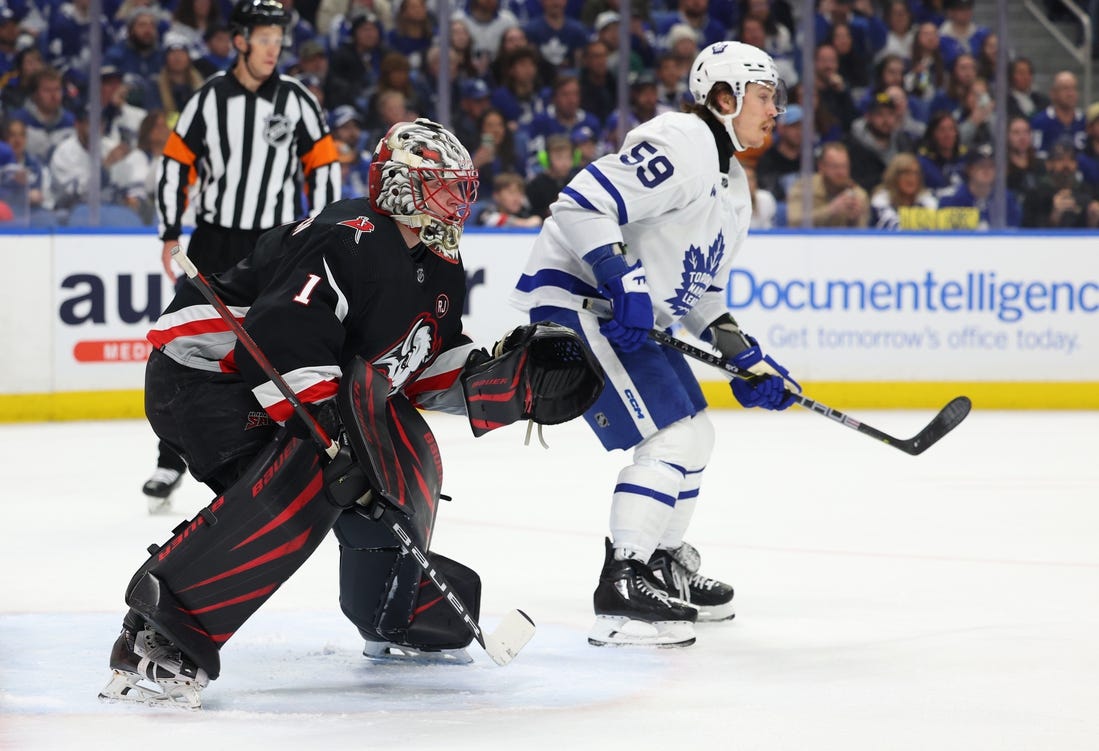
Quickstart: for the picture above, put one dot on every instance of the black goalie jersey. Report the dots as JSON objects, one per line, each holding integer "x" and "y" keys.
{"x": 317, "y": 293}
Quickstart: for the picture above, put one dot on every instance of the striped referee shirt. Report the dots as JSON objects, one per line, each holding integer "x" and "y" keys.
{"x": 246, "y": 154}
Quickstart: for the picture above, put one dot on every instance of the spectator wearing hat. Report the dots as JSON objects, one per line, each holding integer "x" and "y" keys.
{"x": 781, "y": 163}
{"x": 473, "y": 102}
{"x": 873, "y": 141}
{"x": 191, "y": 21}
{"x": 177, "y": 80}
{"x": 959, "y": 34}
{"x": 644, "y": 106}
{"x": 48, "y": 123}
{"x": 975, "y": 193}
{"x": 562, "y": 115}
{"x": 682, "y": 42}
{"x": 354, "y": 66}
{"x": 219, "y": 51}
{"x": 346, "y": 125}
{"x": 139, "y": 56}
{"x": 557, "y": 37}
{"x": 585, "y": 143}
{"x": 1061, "y": 198}
{"x": 1063, "y": 116}
{"x": 313, "y": 59}
{"x": 641, "y": 53}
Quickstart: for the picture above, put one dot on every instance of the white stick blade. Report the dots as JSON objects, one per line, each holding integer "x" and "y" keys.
{"x": 513, "y": 633}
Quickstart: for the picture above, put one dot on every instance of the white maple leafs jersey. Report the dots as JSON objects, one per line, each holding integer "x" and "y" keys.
{"x": 665, "y": 199}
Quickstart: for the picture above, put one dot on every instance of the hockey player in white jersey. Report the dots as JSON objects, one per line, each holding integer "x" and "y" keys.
{"x": 652, "y": 230}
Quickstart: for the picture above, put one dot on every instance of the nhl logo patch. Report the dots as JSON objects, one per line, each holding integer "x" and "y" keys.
{"x": 277, "y": 130}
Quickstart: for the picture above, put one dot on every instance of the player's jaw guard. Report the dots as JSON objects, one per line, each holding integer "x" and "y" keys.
{"x": 542, "y": 372}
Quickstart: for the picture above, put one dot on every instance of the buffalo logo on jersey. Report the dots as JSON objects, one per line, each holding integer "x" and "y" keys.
{"x": 360, "y": 224}
{"x": 277, "y": 130}
{"x": 410, "y": 355}
{"x": 698, "y": 271}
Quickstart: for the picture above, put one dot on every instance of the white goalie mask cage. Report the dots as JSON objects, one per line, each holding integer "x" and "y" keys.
{"x": 736, "y": 64}
{"x": 424, "y": 178}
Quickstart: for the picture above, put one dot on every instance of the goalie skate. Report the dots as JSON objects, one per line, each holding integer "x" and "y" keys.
{"x": 148, "y": 669}
{"x": 400, "y": 654}
{"x": 677, "y": 571}
{"x": 631, "y": 609}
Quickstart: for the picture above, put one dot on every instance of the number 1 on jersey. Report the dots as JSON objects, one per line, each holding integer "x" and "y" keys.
{"x": 307, "y": 290}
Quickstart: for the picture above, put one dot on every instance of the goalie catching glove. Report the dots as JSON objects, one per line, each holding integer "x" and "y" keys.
{"x": 542, "y": 372}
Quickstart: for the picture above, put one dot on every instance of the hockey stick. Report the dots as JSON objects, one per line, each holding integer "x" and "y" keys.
{"x": 515, "y": 629}
{"x": 948, "y": 418}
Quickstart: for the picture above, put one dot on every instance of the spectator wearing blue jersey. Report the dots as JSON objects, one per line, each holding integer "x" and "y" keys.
{"x": 67, "y": 38}
{"x": 561, "y": 116}
{"x": 473, "y": 103}
{"x": 598, "y": 84}
{"x": 139, "y": 56}
{"x": 413, "y": 32}
{"x": 519, "y": 96}
{"x": 25, "y": 180}
{"x": 557, "y": 37}
{"x": 694, "y": 13}
{"x": 976, "y": 192}
{"x": 941, "y": 153}
{"x": 962, "y": 75}
{"x": 644, "y": 106}
{"x": 1063, "y": 117}
{"x": 868, "y": 31}
{"x": 219, "y": 51}
{"x": 48, "y": 123}
{"x": 959, "y": 34}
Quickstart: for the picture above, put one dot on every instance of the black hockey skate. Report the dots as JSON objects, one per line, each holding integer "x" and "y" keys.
{"x": 146, "y": 668}
{"x": 631, "y": 608}
{"x": 677, "y": 571}
{"x": 158, "y": 489}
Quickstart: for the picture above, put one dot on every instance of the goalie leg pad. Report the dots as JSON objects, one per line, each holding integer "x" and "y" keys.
{"x": 388, "y": 595}
{"x": 222, "y": 565}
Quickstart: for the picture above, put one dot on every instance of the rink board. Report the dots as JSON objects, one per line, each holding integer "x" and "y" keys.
{"x": 862, "y": 320}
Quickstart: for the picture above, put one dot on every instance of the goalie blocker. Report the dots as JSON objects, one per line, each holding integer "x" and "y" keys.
{"x": 543, "y": 372}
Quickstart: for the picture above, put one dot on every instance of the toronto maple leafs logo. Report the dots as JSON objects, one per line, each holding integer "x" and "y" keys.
{"x": 698, "y": 271}
{"x": 410, "y": 355}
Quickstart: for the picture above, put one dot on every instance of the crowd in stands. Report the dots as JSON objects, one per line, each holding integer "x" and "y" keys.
{"x": 903, "y": 122}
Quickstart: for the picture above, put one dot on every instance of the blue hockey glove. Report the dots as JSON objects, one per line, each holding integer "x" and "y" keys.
{"x": 625, "y": 286}
{"x": 769, "y": 391}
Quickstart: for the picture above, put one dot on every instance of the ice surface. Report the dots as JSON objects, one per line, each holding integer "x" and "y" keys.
{"x": 946, "y": 601}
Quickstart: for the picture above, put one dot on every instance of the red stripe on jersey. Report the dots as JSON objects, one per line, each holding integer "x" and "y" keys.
{"x": 438, "y": 382}
{"x": 296, "y": 505}
{"x": 159, "y": 337}
{"x": 282, "y": 410}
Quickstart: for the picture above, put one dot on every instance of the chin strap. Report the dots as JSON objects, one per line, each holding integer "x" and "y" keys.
{"x": 727, "y": 121}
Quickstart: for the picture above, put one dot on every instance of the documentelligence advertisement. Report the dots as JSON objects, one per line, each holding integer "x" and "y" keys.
{"x": 941, "y": 308}
{"x": 829, "y": 307}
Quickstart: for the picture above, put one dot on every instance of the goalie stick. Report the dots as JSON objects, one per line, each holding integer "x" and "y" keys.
{"x": 948, "y": 418}
{"x": 516, "y": 627}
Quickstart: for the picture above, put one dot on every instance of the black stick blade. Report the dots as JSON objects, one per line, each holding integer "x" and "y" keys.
{"x": 949, "y": 417}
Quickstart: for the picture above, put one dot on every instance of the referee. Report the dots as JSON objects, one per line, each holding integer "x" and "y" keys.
{"x": 246, "y": 147}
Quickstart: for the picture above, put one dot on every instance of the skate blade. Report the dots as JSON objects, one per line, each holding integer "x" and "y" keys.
{"x": 621, "y": 631}
{"x": 133, "y": 689}
{"x": 716, "y": 613}
{"x": 159, "y": 506}
{"x": 394, "y": 654}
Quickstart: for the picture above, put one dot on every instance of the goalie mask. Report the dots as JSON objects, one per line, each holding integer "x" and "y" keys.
{"x": 423, "y": 177}
{"x": 736, "y": 64}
